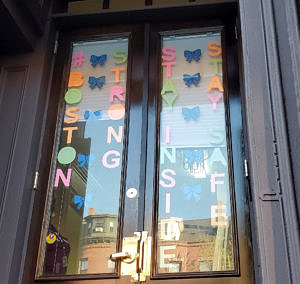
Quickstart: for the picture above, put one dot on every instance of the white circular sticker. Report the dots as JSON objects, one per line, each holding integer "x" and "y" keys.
{"x": 131, "y": 192}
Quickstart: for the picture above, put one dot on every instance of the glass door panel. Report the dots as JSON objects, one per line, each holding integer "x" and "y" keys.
{"x": 195, "y": 228}
{"x": 82, "y": 216}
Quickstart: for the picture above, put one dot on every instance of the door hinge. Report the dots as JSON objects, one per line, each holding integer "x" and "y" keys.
{"x": 36, "y": 180}
{"x": 246, "y": 168}
{"x": 55, "y": 47}
{"x": 236, "y": 32}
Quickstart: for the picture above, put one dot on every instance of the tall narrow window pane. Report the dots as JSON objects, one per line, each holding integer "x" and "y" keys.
{"x": 195, "y": 210}
{"x": 84, "y": 192}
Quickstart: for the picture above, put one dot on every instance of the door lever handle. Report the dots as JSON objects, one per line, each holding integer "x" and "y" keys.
{"x": 124, "y": 256}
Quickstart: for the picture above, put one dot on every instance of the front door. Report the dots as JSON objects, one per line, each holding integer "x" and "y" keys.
{"x": 146, "y": 180}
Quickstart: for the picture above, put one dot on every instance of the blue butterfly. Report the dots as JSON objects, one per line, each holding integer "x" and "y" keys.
{"x": 93, "y": 81}
{"x": 98, "y": 59}
{"x": 79, "y": 200}
{"x": 88, "y": 113}
{"x": 194, "y": 192}
{"x": 84, "y": 159}
{"x": 191, "y": 113}
{"x": 193, "y": 157}
{"x": 191, "y": 79}
{"x": 190, "y": 55}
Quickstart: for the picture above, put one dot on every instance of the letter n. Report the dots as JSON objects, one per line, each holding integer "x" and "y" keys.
{"x": 64, "y": 179}
{"x": 170, "y": 155}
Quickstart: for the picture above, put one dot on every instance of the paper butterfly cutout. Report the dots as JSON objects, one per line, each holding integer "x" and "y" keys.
{"x": 191, "y": 113}
{"x": 88, "y": 113}
{"x": 93, "y": 81}
{"x": 190, "y": 55}
{"x": 79, "y": 200}
{"x": 194, "y": 192}
{"x": 193, "y": 157}
{"x": 191, "y": 79}
{"x": 84, "y": 159}
{"x": 98, "y": 59}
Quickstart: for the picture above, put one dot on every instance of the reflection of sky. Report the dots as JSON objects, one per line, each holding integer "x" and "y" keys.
{"x": 185, "y": 201}
{"x": 103, "y": 184}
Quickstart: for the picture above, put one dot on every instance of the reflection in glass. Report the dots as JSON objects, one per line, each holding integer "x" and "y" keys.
{"x": 83, "y": 205}
{"x": 194, "y": 218}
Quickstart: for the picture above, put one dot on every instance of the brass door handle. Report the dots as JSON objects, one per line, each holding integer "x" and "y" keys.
{"x": 124, "y": 256}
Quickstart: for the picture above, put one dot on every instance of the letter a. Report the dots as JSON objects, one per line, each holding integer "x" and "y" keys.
{"x": 215, "y": 84}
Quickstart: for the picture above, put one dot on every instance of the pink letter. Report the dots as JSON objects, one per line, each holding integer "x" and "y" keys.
{"x": 65, "y": 180}
{"x": 167, "y": 134}
{"x": 169, "y": 53}
{"x": 116, "y": 161}
{"x": 213, "y": 181}
{"x": 168, "y": 178}
{"x": 214, "y": 101}
{"x": 168, "y": 64}
{"x": 116, "y": 91}
{"x": 168, "y": 202}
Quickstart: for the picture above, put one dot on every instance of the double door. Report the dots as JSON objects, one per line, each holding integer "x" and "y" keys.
{"x": 146, "y": 182}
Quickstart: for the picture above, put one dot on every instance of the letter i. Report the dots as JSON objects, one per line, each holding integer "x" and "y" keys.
{"x": 168, "y": 202}
{"x": 167, "y": 134}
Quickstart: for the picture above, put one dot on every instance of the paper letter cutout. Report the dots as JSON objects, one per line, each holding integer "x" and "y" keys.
{"x": 117, "y": 73}
{"x": 70, "y": 130}
{"x": 75, "y": 79}
{"x": 116, "y": 91}
{"x": 78, "y": 58}
{"x": 214, "y": 48}
{"x": 217, "y": 156}
{"x": 111, "y": 131}
{"x": 116, "y": 111}
{"x": 213, "y": 181}
{"x": 167, "y": 134}
{"x": 168, "y": 202}
{"x": 169, "y": 53}
{"x": 115, "y": 161}
{"x": 168, "y": 64}
{"x": 171, "y": 156}
{"x": 215, "y": 62}
{"x": 69, "y": 112}
{"x": 169, "y": 88}
{"x": 164, "y": 256}
{"x": 66, "y": 180}
{"x": 218, "y": 133}
{"x": 73, "y": 96}
{"x": 214, "y": 101}
{"x": 66, "y": 155}
{"x": 217, "y": 211}
{"x": 215, "y": 83}
{"x": 121, "y": 55}
{"x": 164, "y": 174}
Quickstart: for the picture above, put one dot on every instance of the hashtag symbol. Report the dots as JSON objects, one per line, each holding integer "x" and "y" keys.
{"x": 78, "y": 59}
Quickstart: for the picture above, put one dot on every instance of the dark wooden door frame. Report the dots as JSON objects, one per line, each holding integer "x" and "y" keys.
{"x": 274, "y": 217}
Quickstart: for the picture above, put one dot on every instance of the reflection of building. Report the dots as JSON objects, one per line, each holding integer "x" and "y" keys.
{"x": 98, "y": 242}
{"x": 193, "y": 245}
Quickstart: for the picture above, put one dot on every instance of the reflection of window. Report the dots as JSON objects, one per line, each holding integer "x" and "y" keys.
{"x": 110, "y": 265}
{"x": 204, "y": 266}
{"x": 99, "y": 228}
{"x": 111, "y": 226}
{"x": 83, "y": 265}
{"x": 174, "y": 266}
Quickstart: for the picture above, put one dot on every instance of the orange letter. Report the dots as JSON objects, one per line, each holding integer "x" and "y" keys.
{"x": 117, "y": 74}
{"x": 215, "y": 84}
{"x": 69, "y": 112}
{"x": 75, "y": 79}
{"x": 214, "y": 48}
{"x": 70, "y": 133}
